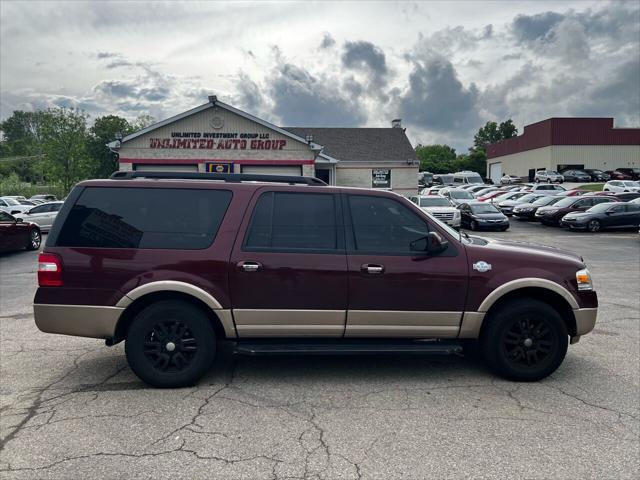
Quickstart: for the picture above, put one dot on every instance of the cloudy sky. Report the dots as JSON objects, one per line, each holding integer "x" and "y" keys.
{"x": 444, "y": 68}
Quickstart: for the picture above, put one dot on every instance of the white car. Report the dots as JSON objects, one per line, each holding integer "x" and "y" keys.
{"x": 439, "y": 207}
{"x": 43, "y": 215}
{"x": 12, "y": 206}
{"x": 509, "y": 179}
{"x": 548, "y": 176}
{"x": 548, "y": 188}
{"x": 621, "y": 186}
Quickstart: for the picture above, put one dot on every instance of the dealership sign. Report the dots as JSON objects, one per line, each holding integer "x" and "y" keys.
{"x": 381, "y": 178}
{"x": 218, "y": 141}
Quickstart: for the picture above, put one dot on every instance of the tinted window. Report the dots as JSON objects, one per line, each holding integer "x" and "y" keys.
{"x": 40, "y": 209}
{"x": 382, "y": 225}
{"x": 144, "y": 218}
{"x": 293, "y": 222}
{"x": 5, "y": 217}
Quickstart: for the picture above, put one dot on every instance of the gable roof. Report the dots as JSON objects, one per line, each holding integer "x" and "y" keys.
{"x": 218, "y": 103}
{"x": 361, "y": 144}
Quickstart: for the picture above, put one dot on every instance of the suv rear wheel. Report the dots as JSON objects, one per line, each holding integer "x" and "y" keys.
{"x": 170, "y": 344}
{"x": 525, "y": 340}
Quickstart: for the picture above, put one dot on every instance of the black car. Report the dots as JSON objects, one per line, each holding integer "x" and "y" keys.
{"x": 604, "y": 215}
{"x": 528, "y": 210}
{"x": 626, "y": 196}
{"x": 576, "y": 176}
{"x": 482, "y": 216}
{"x": 598, "y": 175}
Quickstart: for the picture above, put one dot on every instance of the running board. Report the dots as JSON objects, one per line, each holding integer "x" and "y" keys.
{"x": 348, "y": 347}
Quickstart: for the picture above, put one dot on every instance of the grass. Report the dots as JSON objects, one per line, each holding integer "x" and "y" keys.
{"x": 593, "y": 187}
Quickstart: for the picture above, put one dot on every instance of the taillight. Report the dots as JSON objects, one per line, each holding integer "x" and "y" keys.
{"x": 49, "y": 270}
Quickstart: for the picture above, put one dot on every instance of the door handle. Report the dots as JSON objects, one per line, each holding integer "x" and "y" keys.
{"x": 250, "y": 266}
{"x": 372, "y": 268}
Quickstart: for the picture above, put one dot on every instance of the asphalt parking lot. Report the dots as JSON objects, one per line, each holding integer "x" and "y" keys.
{"x": 71, "y": 408}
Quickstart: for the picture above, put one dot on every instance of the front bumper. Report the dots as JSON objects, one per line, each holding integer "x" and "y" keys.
{"x": 585, "y": 320}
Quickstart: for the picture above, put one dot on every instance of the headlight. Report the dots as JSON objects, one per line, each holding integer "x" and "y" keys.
{"x": 583, "y": 277}
{"x": 456, "y": 214}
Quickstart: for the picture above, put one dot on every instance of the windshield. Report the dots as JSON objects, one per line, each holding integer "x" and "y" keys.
{"x": 474, "y": 179}
{"x": 566, "y": 202}
{"x": 548, "y": 200}
{"x": 595, "y": 171}
{"x": 601, "y": 207}
{"x": 434, "y": 202}
{"x": 460, "y": 194}
{"x": 486, "y": 208}
{"x": 528, "y": 198}
{"x": 552, "y": 172}
{"x": 630, "y": 184}
{"x": 10, "y": 201}
{"x": 444, "y": 178}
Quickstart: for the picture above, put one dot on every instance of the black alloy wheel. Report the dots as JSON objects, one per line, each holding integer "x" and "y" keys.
{"x": 35, "y": 239}
{"x": 594, "y": 226}
{"x": 170, "y": 344}
{"x": 524, "y": 340}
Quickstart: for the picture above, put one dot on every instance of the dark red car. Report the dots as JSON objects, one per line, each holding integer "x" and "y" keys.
{"x": 173, "y": 262}
{"x": 618, "y": 175}
{"x": 18, "y": 235}
{"x": 552, "y": 214}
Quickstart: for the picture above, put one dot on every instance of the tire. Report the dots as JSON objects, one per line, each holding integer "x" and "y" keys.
{"x": 504, "y": 229}
{"x": 537, "y": 180}
{"x": 35, "y": 240}
{"x": 473, "y": 225}
{"x": 505, "y": 342}
{"x": 170, "y": 344}
{"x": 594, "y": 226}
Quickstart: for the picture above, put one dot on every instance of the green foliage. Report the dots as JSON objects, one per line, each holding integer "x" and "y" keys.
{"x": 103, "y": 161}
{"x": 436, "y": 158}
{"x": 63, "y": 134}
{"x": 12, "y": 185}
{"x": 492, "y": 133}
{"x": 143, "y": 121}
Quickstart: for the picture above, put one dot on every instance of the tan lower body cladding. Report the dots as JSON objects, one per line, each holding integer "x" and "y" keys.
{"x": 359, "y": 323}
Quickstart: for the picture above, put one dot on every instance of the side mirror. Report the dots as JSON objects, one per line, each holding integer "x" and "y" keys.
{"x": 432, "y": 244}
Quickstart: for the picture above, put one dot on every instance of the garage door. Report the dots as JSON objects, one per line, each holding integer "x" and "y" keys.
{"x": 495, "y": 171}
{"x": 165, "y": 168}
{"x": 272, "y": 169}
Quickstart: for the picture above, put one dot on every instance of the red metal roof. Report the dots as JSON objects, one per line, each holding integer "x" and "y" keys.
{"x": 566, "y": 131}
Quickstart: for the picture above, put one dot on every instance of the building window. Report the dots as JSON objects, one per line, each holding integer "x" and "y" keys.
{"x": 381, "y": 178}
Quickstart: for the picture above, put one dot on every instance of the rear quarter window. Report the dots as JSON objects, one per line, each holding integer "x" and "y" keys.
{"x": 106, "y": 217}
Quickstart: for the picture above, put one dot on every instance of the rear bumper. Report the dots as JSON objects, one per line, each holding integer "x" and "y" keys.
{"x": 79, "y": 320}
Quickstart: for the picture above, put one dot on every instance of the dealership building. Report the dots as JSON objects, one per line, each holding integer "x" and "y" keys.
{"x": 216, "y": 137}
{"x": 565, "y": 143}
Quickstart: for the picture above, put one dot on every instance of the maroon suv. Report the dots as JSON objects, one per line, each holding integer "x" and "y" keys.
{"x": 171, "y": 263}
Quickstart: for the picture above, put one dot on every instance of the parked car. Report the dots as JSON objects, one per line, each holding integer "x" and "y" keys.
{"x": 467, "y": 177}
{"x": 482, "y": 216}
{"x": 27, "y": 202}
{"x": 527, "y": 211}
{"x": 439, "y": 207}
{"x": 548, "y": 189}
{"x": 490, "y": 195}
{"x": 509, "y": 179}
{"x": 604, "y": 216}
{"x": 621, "y": 186}
{"x": 550, "y": 176}
{"x": 456, "y": 195}
{"x": 425, "y": 179}
{"x": 626, "y": 197}
{"x": 432, "y": 190}
{"x": 507, "y": 196}
{"x": 506, "y": 206}
{"x": 598, "y": 175}
{"x": 46, "y": 197}
{"x": 262, "y": 262}
{"x": 573, "y": 193}
{"x": 576, "y": 176}
{"x": 12, "y": 206}
{"x": 18, "y": 235}
{"x": 474, "y": 189}
{"x": 484, "y": 191}
{"x": 552, "y": 214}
{"x": 618, "y": 175}
{"x": 42, "y": 215}
{"x": 634, "y": 173}
{"x": 443, "y": 179}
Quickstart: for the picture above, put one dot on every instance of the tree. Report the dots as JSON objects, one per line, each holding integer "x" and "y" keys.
{"x": 21, "y": 133}
{"x": 490, "y": 133}
{"x": 103, "y": 161}
{"x": 143, "y": 121}
{"x": 64, "y": 145}
{"x": 435, "y": 158}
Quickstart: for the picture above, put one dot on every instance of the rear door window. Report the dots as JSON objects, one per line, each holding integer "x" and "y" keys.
{"x": 293, "y": 222}
{"x": 144, "y": 218}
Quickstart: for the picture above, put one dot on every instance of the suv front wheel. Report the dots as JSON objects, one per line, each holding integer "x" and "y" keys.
{"x": 170, "y": 344}
{"x": 525, "y": 340}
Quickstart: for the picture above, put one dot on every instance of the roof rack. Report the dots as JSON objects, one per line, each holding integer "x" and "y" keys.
{"x": 227, "y": 177}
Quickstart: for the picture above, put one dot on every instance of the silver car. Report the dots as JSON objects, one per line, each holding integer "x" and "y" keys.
{"x": 439, "y": 207}
{"x": 549, "y": 176}
{"x": 43, "y": 215}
